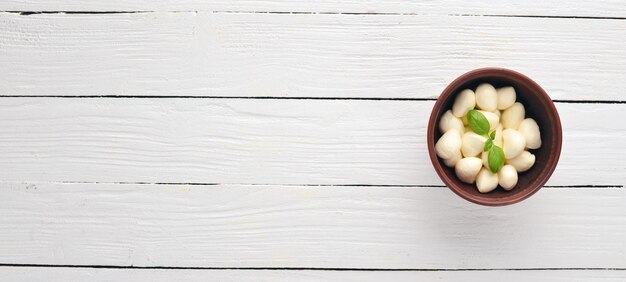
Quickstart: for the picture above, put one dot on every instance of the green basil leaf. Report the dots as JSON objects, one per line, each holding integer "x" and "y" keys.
{"x": 478, "y": 122}
{"x": 495, "y": 158}
{"x": 488, "y": 145}
{"x": 492, "y": 135}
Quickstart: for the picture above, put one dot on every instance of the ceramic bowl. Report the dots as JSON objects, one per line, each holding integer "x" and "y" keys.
{"x": 538, "y": 106}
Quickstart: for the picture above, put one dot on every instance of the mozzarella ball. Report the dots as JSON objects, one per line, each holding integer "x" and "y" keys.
{"x": 472, "y": 144}
{"x": 507, "y": 177}
{"x": 530, "y": 130}
{"x": 451, "y": 162}
{"x": 498, "y": 113}
{"x": 448, "y": 145}
{"x": 513, "y": 116}
{"x": 464, "y": 120}
{"x": 449, "y": 121}
{"x": 486, "y": 180}
{"x": 484, "y": 156}
{"x": 506, "y": 97}
{"x": 486, "y": 97}
{"x": 498, "y": 140}
{"x": 465, "y": 101}
{"x": 523, "y": 162}
{"x": 467, "y": 169}
{"x": 513, "y": 143}
{"x": 493, "y": 119}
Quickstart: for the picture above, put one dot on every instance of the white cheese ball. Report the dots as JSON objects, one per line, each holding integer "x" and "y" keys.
{"x": 513, "y": 116}
{"x": 506, "y": 97}
{"x": 498, "y": 140}
{"x": 448, "y": 145}
{"x": 498, "y": 113}
{"x": 523, "y": 162}
{"x": 449, "y": 121}
{"x": 530, "y": 130}
{"x": 486, "y": 180}
{"x": 493, "y": 119}
{"x": 507, "y": 177}
{"x": 467, "y": 169}
{"x": 486, "y": 97}
{"x": 484, "y": 156}
{"x": 465, "y": 101}
{"x": 464, "y": 120}
{"x": 451, "y": 162}
{"x": 513, "y": 143}
{"x": 472, "y": 144}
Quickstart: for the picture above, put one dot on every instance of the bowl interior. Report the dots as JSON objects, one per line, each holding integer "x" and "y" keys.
{"x": 538, "y": 106}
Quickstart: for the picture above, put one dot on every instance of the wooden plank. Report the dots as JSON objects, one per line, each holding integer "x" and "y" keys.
{"x": 252, "y": 141}
{"x": 610, "y": 8}
{"x": 329, "y": 55}
{"x": 290, "y": 226}
{"x": 27, "y": 274}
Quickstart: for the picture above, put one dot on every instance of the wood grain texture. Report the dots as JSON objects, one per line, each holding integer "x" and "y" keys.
{"x": 102, "y": 181}
{"x": 223, "y": 54}
{"x": 606, "y": 8}
{"x": 29, "y": 274}
{"x": 263, "y": 141}
{"x": 276, "y": 226}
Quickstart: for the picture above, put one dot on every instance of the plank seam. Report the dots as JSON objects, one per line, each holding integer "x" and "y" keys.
{"x": 28, "y": 13}
{"x": 311, "y": 268}
{"x": 275, "y": 98}
{"x": 215, "y": 97}
{"x": 607, "y": 186}
{"x": 553, "y": 17}
{"x": 74, "y": 12}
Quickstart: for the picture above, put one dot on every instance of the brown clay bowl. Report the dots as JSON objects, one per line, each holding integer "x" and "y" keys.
{"x": 538, "y": 106}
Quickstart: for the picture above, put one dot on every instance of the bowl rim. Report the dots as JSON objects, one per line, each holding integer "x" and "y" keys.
{"x": 447, "y": 92}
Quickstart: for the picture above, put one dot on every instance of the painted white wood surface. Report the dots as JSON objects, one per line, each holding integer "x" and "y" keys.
{"x": 106, "y": 275}
{"x": 248, "y": 141}
{"x": 223, "y": 54}
{"x": 290, "y": 226}
{"x": 605, "y": 8}
{"x": 92, "y": 181}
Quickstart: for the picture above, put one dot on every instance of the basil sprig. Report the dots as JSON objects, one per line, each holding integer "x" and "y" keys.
{"x": 488, "y": 145}
{"x": 495, "y": 158}
{"x": 478, "y": 122}
{"x": 480, "y": 125}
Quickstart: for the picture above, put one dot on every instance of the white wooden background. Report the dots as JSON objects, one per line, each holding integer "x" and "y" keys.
{"x": 271, "y": 141}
